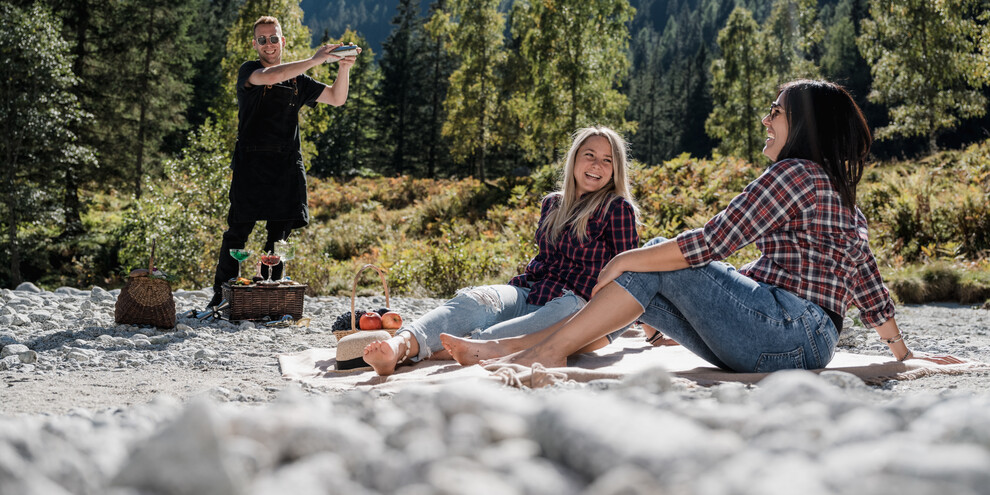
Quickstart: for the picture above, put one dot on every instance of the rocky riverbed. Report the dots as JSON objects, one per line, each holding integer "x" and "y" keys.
{"x": 87, "y": 406}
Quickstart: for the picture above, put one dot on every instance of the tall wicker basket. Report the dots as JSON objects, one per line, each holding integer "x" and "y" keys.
{"x": 145, "y": 299}
{"x": 354, "y": 328}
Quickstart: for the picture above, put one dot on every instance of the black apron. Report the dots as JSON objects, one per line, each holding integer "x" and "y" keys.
{"x": 269, "y": 178}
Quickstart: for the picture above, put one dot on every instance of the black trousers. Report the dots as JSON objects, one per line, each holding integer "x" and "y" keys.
{"x": 236, "y": 237}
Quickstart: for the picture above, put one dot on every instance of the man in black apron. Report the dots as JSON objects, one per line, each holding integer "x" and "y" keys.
{"x": 269, "y": 179}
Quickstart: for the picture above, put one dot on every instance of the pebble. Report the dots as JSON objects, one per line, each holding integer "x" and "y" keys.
{"x": 647, "y": 433}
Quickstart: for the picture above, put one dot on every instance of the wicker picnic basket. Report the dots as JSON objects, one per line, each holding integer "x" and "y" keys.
{"x": 259, "y": 302}
{"x": 145, "y": 299}
{"x": 354, "y": 328}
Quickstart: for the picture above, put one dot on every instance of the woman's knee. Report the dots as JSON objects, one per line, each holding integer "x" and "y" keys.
{"x": 655, "y": 241}
{"x": 484, "y": 297}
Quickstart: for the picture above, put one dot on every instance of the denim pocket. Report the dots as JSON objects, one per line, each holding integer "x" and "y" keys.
{"x": 773, "y": 361}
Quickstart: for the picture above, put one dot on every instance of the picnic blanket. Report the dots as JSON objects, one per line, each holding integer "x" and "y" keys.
{"x": 628, "y": 355}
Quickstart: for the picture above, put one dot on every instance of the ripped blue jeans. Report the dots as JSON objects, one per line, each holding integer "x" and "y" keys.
{"x": 489, "y": 312}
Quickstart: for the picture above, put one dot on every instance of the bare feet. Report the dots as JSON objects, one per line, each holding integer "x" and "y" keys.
{"x": 383, "y": 356}
{"x": 468, "y": 352}
{"x": 657, "y": 339}
{"x": 441, "y": 355}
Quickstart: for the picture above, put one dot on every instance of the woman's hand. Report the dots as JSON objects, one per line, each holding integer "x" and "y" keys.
{"x": 937, "y": 359}
{"x": 611, "y": 271}
{"x": 662, "y": 257}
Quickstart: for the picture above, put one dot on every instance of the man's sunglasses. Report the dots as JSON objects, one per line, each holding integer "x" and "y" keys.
{"x": 273, "y": 38}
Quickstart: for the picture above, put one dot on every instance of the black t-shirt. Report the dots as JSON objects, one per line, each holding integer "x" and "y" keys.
{"x": 269, "y": 180}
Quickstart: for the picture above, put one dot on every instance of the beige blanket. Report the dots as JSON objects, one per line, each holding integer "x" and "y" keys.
{"x": 628, "y": 355}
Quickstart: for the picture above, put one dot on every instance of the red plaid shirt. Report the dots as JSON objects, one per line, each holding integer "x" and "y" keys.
{"x": 570, "y": 264}
{"x": 812, "y": 245}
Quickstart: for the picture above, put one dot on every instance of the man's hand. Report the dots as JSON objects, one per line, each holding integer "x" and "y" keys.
{"x": 325, "y": 54}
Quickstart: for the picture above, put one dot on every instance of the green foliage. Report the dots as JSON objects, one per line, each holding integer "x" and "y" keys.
{"x": 933, "y": 209}
{"x": 184, "y": 214}
{"x": 841, "y": 60}
{"x": 742, "y": 86}
{"x": 940, "y": 281}
{"x": 669, "y": 80}
{"x": 926, "y": 64}
{"x": 450, "y": 263}
{"x": 575, "y": 54}
{"x": 795, "y": 37}
{"x": 147, "y": 67}
{"x": 347, "y": 138}
{"x": 404, "y": 96}
{"x": 37, "y": 115}
{"x": 473, "y": 32}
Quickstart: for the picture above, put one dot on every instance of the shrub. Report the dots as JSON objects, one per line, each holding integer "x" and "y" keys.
{"x": 185, "y": 212}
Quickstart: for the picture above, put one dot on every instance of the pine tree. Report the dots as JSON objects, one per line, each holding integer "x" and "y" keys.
{"x": 742, "y": 82}
{"x": 439, "y": 64}
{"x": 147, "y": 69}
{"x": 795, "y": 35}
{"x": 925, "y": 61}
{"x": 37, "y": 114}
{"x": 81, "y": 22}
{"x": 402, "y": 91}
{"x": 576, "y": 53}
{"x": 475, "y": 37}
{"x": 350, "y": 142}
{"x": 646, "y": 97}
{"x": 841, "y": 61}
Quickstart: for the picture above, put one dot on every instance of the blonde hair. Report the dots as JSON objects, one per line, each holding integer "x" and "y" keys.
{"x": 573, "y": 212}
{"x": 266, "y": 19}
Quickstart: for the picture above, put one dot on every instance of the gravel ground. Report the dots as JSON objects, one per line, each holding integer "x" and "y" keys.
{"x": 88, "y": 406}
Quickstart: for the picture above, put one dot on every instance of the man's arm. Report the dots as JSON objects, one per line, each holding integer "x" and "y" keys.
{"x": 336, "y": 93}
{"x": 283, "y": 72}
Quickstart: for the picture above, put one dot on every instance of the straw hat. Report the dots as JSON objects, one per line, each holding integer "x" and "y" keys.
{"x": 350, "y": 349}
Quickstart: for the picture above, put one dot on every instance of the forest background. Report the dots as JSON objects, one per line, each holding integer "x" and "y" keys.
{"x": 119, "y": 117}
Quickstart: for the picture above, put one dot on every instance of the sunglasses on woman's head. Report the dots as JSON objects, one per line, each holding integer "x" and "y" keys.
{"x": 273, "y": 38}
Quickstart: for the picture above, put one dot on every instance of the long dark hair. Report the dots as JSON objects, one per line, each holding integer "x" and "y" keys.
{"x": 827, "y": 127}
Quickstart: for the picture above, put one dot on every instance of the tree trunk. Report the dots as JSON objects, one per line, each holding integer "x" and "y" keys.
{"x": 431, "y": 160}
{"x": 483, "y": 122}
{"x": 149, "y": 49}
{"x": 70, "y": 200}
{"x": 15, "y": 254}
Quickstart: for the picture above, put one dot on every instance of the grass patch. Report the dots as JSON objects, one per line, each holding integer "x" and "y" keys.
{"x": 941, "y": 281}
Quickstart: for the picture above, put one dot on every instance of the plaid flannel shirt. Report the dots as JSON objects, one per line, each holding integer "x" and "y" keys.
{"x": 811, "y": 244}
{"x": 570, "y": 264}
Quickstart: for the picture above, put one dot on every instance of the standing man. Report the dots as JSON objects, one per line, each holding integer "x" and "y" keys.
{"x": 269, "y": 180}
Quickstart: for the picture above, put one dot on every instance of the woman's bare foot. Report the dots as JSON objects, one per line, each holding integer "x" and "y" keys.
{"x": 468, "y": 352}
{"x": 441, "y": 355}
{"x": 657, "y": 338}
{"x": 383, "y": 356}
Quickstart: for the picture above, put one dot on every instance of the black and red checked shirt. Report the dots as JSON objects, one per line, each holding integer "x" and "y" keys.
{"x": 570, "y": 264}
{"x": 811, "y": 244}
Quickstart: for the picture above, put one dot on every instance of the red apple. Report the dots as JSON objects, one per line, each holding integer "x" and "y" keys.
{"x": 370, "y": 321}
{"x": 391, "y": 320}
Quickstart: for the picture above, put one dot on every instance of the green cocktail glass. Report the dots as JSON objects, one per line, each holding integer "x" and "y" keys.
{"x": 240, "y": 255}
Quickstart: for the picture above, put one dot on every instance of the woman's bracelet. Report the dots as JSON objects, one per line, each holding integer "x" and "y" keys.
{"x": 893, "y": 340}
{"x": 907, "y": 355}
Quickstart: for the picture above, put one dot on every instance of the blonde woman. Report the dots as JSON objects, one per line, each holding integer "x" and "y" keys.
{"x": 582, "y": 226}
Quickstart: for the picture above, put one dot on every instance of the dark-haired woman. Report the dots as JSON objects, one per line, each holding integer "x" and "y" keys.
{"x": 781, "y": 311}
